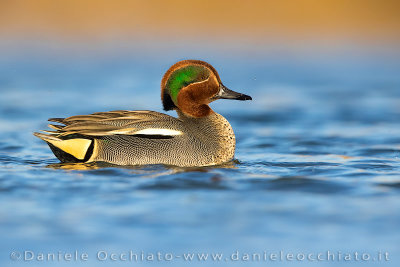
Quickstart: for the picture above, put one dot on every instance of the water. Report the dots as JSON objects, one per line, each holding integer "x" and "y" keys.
{"x": 316, "y": 170}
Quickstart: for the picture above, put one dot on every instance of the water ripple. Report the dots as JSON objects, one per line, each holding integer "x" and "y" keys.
{"x": 317, "y": 162}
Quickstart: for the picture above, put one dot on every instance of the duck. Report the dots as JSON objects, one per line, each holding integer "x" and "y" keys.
{"x": 197, "y": 137}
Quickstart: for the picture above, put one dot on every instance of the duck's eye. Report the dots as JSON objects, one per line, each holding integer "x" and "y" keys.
{"x": 184, "y": 77}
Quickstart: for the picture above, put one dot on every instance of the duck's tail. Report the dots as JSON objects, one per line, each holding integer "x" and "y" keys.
{"x": 72, "y": 148}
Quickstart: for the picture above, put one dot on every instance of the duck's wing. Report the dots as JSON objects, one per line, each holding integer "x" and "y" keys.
{"x": 72, "y": 139}
{"x": 118, "y": 122}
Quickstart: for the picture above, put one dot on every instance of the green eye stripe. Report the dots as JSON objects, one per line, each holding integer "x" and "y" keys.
{"x": 185, "y": 76}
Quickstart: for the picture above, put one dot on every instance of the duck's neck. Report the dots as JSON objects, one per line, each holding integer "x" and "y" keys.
{"x": 212, "y": 120}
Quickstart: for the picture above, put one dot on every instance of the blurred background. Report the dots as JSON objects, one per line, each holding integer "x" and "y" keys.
{"x": 296, "y": 23}
{"x": 306, "y": 26}
{"x": 317, "y": 149}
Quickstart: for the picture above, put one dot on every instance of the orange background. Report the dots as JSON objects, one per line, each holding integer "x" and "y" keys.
{"x": 252, "y": 21}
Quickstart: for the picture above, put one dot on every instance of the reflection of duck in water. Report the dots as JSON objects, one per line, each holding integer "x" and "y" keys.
{"x": 198, "y": 137}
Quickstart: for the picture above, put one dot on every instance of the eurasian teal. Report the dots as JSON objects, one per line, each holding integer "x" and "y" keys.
{"x": 198, "y": 137}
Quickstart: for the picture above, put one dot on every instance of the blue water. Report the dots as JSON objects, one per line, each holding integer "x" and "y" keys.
{"x": 317, "y": 162}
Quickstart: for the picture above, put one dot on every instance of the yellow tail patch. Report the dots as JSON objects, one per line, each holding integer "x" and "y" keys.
{"x": 76, "y": 147}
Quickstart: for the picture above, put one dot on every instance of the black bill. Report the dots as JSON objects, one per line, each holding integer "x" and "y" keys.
{"x": 225, "y": 93}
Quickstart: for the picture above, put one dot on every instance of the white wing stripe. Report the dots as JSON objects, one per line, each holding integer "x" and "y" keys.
{"x": 159, "y": 131}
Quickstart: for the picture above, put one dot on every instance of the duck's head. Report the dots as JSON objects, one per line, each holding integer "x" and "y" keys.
{"x": 190, "y": 85}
